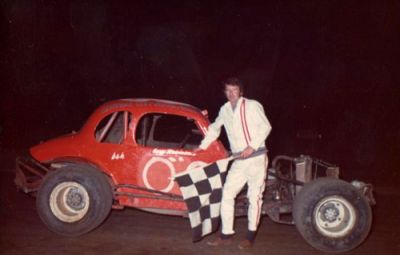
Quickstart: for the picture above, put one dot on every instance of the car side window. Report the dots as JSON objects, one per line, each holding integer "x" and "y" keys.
{"x": 113, "y": 128}
{"x": 168, "y": 131}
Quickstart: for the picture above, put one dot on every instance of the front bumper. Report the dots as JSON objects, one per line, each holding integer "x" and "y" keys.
{"x": 29, "y": 174}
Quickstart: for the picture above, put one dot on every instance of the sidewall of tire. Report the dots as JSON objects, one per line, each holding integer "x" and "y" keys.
{"x": 99, "y": 191}
{"x": 303, "y": 211}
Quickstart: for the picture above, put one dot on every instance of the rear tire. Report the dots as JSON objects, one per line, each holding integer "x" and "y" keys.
{"x": 74, "y": 200}
{"x": 332, "y": 215}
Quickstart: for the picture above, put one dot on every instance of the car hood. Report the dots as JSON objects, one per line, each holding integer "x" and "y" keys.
{"x": 62, "y": 146}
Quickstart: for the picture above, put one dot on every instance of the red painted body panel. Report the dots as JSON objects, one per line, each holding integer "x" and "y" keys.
{"x": 146, "y": 167}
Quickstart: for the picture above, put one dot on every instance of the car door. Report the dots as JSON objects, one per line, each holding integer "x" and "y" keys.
{"x": 166, "y": 143}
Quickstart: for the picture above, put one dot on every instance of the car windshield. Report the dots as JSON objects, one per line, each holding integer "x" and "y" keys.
{"x": 113, "y": 128}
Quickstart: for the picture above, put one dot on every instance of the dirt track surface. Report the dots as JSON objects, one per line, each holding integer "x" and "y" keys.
{"x": 134, "y": 232}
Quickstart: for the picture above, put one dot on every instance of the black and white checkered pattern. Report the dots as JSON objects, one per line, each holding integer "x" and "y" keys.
{"x": 202, "y": 191}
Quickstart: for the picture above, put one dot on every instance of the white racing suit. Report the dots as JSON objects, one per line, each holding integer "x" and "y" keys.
{"x": 245, "y": 126}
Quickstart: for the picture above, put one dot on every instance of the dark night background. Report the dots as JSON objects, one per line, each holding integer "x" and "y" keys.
{"x": 327, "y": 72}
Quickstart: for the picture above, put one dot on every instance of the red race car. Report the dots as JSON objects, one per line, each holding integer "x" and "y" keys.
{"x": 128, "y": 152}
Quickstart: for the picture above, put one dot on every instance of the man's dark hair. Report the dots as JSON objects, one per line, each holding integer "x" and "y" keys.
{"x": 235, "y": 82}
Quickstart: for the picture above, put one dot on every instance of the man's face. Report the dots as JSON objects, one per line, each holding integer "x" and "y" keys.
{"x": 232, "y": 93}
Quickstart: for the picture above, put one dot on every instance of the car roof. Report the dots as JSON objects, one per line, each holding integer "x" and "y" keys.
{"x": 140, "y": 106}
{"x": 148, "y": 104}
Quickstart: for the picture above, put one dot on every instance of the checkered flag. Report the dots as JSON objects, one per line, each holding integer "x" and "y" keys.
{"x": 201, "y": 188}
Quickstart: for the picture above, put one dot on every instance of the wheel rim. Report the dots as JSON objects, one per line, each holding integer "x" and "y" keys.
{"x": 69, "y": 201}
{"x": 334, "y": 216}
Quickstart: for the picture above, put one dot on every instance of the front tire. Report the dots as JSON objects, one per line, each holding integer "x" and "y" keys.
{"x": 332, "y": 215}
{"x": 74, "y": 200}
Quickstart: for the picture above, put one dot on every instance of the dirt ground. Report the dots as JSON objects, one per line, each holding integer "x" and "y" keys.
{"x": 130, "y": 231}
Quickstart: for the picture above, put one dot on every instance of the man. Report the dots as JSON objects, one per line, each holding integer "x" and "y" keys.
{"x": 247, "y": 128}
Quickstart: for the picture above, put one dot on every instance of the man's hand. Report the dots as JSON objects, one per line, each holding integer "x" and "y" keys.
{"x": 247, "y": 152}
